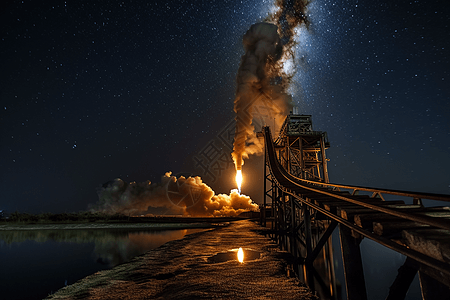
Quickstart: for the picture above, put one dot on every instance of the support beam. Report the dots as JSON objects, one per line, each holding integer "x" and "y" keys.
{"x": 308, "y": 235}
{"x": 263, "y": 211}
{"x": 433, "y": 289}
{"x": 300, "y": 147}
{"x": 331, "y": 271}
{"x": 353, "y": 269}
{"x": 307, "y": 267}
{"x": 405, "y": 276}
{"x": 294, "y": 249}
{"x": 312, "y": 256}
{"x": 324, "y": 160}
{"x": 274, "y": 201}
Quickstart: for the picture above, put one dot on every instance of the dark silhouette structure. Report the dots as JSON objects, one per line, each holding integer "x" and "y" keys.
{"x": 304, "y": 209}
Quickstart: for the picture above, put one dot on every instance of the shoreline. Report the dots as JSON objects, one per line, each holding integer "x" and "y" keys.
{"x": 189, "y": 268}
{"x": 145, "y": 223}
{"x": 94, "y": 226}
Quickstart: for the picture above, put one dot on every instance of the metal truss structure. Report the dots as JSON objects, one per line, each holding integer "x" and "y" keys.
{"x": 304, "y": 209}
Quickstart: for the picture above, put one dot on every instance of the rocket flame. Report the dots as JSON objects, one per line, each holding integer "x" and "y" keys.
{"x": 239, "y": 180}
{"x": 240, "y": 255}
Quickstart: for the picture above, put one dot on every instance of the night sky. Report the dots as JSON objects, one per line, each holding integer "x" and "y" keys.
{"x": 95, "y": 90}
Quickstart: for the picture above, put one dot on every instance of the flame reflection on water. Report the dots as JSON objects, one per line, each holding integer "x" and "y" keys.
{"x": 240, "y": 255}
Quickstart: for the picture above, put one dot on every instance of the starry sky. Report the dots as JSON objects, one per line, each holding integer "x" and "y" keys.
{"x": 95, "y": 90}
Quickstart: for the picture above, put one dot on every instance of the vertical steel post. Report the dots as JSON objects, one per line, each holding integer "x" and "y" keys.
{"x": 353, "y": 269}
{"x": 288, "y": 156}
{"x": 283, "y": 218}
{"x": 308, "y": 234}
{"x": 431, "y": 288}
{"x": 324, "y": 159}
{"x": 275, "y": 212}
{"x": 331, "y": 273}
{"x": 308, "y": 275}
{"x": 263, "y": 211}
{"x": 273, "y": 225}
{"x": 280, "y": 217}
{"x": 293, "y": 232}
{"x": 300, "y": 147}
{"x": 405, "y": 276}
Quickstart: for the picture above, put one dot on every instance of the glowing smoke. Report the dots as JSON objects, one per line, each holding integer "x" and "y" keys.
{"x": 262, "y": 76}
{"x": 173, "y": 196}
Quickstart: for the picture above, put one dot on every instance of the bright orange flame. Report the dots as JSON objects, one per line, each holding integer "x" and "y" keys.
{"x": 240, "y": 255}
{"x": 239, "y": 179}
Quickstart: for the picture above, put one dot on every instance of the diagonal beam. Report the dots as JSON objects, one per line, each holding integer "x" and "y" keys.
{"x": 312, "y": 256}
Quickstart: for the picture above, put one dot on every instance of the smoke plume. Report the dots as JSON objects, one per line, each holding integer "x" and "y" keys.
{"x": 262, "y": 76}
{"x": 172, "y": 196}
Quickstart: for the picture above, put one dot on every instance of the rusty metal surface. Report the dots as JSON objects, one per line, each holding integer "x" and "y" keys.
{"x": 436, "y": 243}
{"x": 299, "y": 186}
{"x": 431, "y": 196}
{"x": 316, "y": 195}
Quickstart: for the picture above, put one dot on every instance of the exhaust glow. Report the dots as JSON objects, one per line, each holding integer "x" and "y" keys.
{"x": 240, "y": 255}
{"x": 239, "y": 180}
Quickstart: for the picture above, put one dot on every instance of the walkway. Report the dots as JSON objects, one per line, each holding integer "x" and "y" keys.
{"x": 191, "y": 269}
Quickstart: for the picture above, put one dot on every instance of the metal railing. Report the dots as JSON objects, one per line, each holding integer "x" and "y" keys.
{"x": 303, "y": 192}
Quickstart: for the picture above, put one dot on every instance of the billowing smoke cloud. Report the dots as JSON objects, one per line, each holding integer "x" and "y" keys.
{"x": 262, "y": 76}
{"x": 173, "y": 196}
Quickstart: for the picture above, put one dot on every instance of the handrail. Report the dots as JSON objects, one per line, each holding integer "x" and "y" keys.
{"x": 430, "y": 196}
{"x": 281, "y": 173}
{"x": 432, "y": 262}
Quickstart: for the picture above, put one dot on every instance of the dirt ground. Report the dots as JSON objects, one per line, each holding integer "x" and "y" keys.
{"x": 201, "y": 266}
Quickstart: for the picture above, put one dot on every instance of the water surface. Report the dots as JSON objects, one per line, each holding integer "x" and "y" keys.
{"x": 36, "y": 263}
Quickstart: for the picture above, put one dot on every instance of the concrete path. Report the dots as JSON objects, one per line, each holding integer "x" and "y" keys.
{"x": 201, "y": 266}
